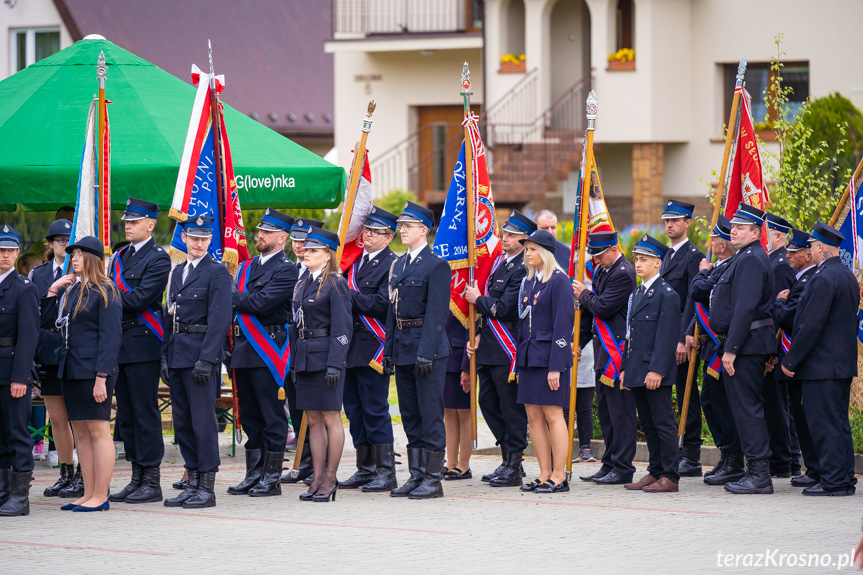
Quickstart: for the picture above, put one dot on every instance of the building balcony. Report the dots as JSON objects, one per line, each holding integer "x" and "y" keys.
{"x": 357, "y": 19}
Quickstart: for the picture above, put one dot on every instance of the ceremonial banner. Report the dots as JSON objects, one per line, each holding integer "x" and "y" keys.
{"x": 850, "y": 224}
{"x": 362, "y": 206}
{"x": 86, "y": 221}
{"x": 451, "y": 241}
{"x": 598, "y": 219}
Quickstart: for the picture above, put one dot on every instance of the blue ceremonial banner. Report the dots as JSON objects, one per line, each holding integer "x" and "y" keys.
{"x": 450, "y": 242}
{"x": 850, "y": 224}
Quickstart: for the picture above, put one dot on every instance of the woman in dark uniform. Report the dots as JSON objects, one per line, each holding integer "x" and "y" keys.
{"x": 89, "y": 315}
{"x": 546, "y": 316}
{"x": 456, "y": 402}
{"x": 322, "y": 314}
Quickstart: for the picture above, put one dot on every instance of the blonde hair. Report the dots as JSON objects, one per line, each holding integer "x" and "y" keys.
{"x": 549, "y": 264}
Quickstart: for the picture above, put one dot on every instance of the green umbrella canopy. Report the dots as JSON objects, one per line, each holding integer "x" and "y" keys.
{"x": 43, "y": 116}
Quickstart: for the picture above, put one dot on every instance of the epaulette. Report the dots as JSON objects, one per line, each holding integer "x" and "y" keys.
{"x": 158, "y": 248}
{"x": 23, "y": 279}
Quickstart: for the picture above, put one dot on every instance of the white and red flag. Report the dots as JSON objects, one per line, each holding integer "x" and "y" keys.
{"x": 362, "y": 206}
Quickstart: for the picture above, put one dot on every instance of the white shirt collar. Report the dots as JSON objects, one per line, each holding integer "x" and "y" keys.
{"x": 416, "y": 252}
{"x": 508, "y": 258}
{"x": 194, "y": 263}
{"x": 6, "y": 275}
{"x": 676, "y": 246}
{"x": 372, "y": 255}
{"x": 263, "y": 259}
{"x": 55, "y": 266}
{"x": 646, "y": 285}
{"x": 801, "y": 272}
{"x": 317, "y": 274}
{"x": 141, "y": 244}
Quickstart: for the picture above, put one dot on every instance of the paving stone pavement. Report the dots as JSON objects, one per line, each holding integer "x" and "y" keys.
{"x": 473, "y": 529}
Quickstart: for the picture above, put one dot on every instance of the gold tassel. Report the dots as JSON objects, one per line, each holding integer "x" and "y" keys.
{"x": 712, "y": 373}
{"x": 376, "y": 366}
{"x": 281, "y": 394}
{"x": 512, "y": 377}
{"x": 177, "y": 256}
{"x": 607, "y": 381}
{"x": 176, "y": 214}
{"x": 108, "y": 251}
{"x": 231, "y": 258}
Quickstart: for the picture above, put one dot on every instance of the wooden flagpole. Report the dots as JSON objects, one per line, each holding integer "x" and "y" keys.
{"x": 583, "y": 220}
{"x": 350, "y": 197}
{"x": 104, "y": 211}
{"x": 470, "y": 192}
{"x": 717, "y": 207}
{"x": 846, "y": 194}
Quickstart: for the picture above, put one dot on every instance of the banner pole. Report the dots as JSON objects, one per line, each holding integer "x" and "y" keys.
{"x": 846, "y": 194}
{"x": 103, "y": 212}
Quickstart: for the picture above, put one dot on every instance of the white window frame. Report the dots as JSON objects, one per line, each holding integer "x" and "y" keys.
{"x": 30, "y": 45}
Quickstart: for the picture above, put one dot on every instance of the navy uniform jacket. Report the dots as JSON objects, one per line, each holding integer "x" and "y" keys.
{"x": 700, "y": 288}
{"x": 783, "y": 274}
{"x": 146, "y": 271}
{"x": 94, "y": 335}
{"x": 678, "y": 274}
{"x": 48, "y": 350}
{"x": 611, "y": 289}
{"x": 19, "y": 321}
{"x": 372, "y": 301}
{"x": 544, "y": 337}
{"x": 327, "y": 308}
{"x": 784, "y": 312}
{"x": 423, "y": 292}
{"x": 205, "y": 299}
{"x": 458, "y": 337}
{"x": 743, "y": 295}
{"x": 824, "y": 345}
{"x": 501, "y": 304}
{"x": 269, "y": 289}
{"x": 652, "y": 336}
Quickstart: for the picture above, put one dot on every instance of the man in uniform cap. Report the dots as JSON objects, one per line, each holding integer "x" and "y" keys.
{"x": 140, "y": 271}
{"x": 261, "y": 303}
{"x": 417, "y": 348}
{"x": 740, "y": 314}
{"x": 679, "y": 267}
{"x": 366, "y": 383}
{"x": 199, "y": 316}
{"x": 823, "y": 356}
{"x": 497, "y": 305}
{"x": 19, "y": 335}
{"x": 613, "y": 282}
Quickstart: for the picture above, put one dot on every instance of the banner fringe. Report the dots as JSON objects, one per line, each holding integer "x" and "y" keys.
{"x": 230, "y": 257}
{"x": 176, "y": 214}
{"x": 177, "y": 256}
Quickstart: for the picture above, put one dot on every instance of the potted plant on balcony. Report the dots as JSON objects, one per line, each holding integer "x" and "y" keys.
{"x": 512, "y": 64}
{"x": 623, "y": 59}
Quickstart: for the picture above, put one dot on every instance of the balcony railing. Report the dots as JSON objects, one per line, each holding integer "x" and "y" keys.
{"x": 353, "y": 17}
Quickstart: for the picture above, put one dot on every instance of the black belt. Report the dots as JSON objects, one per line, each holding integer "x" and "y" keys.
{"x": 405, "y": 323}
{"x": 189, "y": 328}
{"x": 54, "y": 329}
{"x": 7, "y": 341}
{"x": 131, "y": 323}
{"x": 312, "y": 333}
{"x": 270, "y": 329}
{"x": 754, "y": 325}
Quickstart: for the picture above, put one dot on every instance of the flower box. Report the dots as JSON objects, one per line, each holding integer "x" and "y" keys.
{"x": 618, "y": 66}
{"x": 512, "y": 68}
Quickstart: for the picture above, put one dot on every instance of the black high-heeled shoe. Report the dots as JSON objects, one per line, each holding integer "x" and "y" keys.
{"x": 325, "y": 497}
{"x": 308, "y": 495}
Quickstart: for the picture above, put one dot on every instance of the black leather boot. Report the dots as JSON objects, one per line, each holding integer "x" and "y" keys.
{"x": 732, "y": 471}
{"x": 430, "y": 488}
{"x": 254, "y": 470}
{"x": 205, "y": 495}
{"x": 756, "y": 481}
{"x": 723, "y": 460}
{"x": 385, "y": 476}
{"x": 690, "y": 464}
{"x": 511, "y": 474}
{"x": 417, "y": 459}
{"x": 132, "y": 487}
{"x": 19, "y": 498}
{"x": 5, "y": 485}
{"x": 305, "y": 471}
{"x": 151, "y": 488}
{"x": 67, "y": 472}
{"x": 365, "y": 469}
{"x": 75, "y": 490}
{"x": 489, "y": 476}
{"x": 187, "y": 493}
{"x": 269, "y": 484}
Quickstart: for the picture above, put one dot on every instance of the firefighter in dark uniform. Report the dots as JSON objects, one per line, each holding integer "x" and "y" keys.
{"x": 198, "y": 301}
{"x": 650, "y": 367}
{"x": 261, "y": 302}
{"x": 613, "y": 282}
{"x": 417, "y": 349}
{"x": 19, "y": 335}
{"x": 679, "y": 267}
{"x": 366, "y": 384}
{"x": 775, "y": 391}
{"x": 741, "y": 315}
{"x": 784, "y": 314}
{"x": 823, "y": 357}
{"x": 714, "y": 392}
{"x": 497, "y": 306}
{"x": 140, "y": 272}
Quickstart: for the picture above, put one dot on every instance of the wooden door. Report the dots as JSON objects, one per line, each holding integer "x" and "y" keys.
{"x": 440, "y": 135}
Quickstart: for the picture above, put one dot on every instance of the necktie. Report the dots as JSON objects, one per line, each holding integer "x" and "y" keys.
{"x": 407, "y": 261}
{"x": 57, "y": 273}
{"x": 639, "y": 293}
{"x": 186, "y": 271}
{"x": 363, "y": 262}
{"x": 299, "y": 266}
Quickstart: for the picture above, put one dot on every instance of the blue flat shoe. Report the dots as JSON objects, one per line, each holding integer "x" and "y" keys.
{"x": 104, "y": 507}
{"x": 68, "y": 507}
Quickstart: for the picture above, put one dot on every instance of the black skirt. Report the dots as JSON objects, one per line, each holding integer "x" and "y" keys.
{"x": 80, "y": 405}
{"x": 314, "y": 395}
{"x": 51, "y": 384}
{"x": 454, "y": 397}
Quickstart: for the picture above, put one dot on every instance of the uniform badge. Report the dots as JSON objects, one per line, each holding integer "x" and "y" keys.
{"x": 650, "y": 293}
{"x": 67, "y": 226}
{"x": 267, "y": 213}
{"x": 374, "y": 210}
{"x": 6, "y": 229}
{"x": 342, "y": 340}
{"x": 561, "y": 343}
{"x": 300, "y": 223}
{"x": 669, "y": 203}
{"x": 200, "y": 221}
{"x": 129, "y": 202}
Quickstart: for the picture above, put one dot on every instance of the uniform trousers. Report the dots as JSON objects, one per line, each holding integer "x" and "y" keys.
{"x": 367, "y": 408}
{"x": 747, "y": 404}
{"x": 140, "y": 421}
{"x": 692, "y": 431}
{"x": 262, "y": 412}
{"x": 616, "y": 410}
{"x": 194, "y": 408}
{"x": 421, "y": 406}
{"x": 717, "y": 413}
{"x": 16, "y": 445}
{"x": 807, "y": 447}
{"x": 826, "y": 404}
{"x": 660, "y": 430}
{"x": 498, "y": 399}
{"x": 776, "y": 414}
